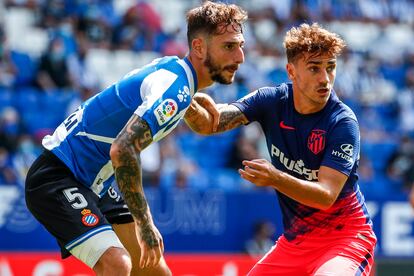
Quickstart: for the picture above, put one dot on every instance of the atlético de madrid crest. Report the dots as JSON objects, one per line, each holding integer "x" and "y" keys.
{"x": 316, "y": 141}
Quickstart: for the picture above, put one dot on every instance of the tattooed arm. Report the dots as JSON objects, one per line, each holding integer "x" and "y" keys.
{"x": 125, "y": 156}
{"x": 206, "y": 117}
{"x": 230, "y": 117}
{"x": 202, "y": 115}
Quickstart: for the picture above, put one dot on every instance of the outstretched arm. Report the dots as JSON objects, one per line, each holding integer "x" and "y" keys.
{"x": 206, "y": 117}
{"x": 320, "y": 194}
{"x": 125, "y": 156}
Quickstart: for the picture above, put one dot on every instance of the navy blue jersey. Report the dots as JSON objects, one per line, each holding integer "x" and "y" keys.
{"x": 159, "y": 92}
{"x": 299, "y": 144}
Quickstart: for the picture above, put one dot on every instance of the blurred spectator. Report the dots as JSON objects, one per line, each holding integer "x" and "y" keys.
{"x": 10, "y": 128}
{"x": 53, "y": 69}
{"x": 140, "y": 29}
{"x": 243, "y": 149}
{"x": 8, "y": 69}
{"x": 7, "y": 172}
{"x": 262, "y": 239}
{"x": 411, "y": 196}
{"x": 366, "y": 172}
{"x": 249, "y": 145}
{"x": 26, "y": 153}
{"x": 406, "y": 103}
{"x": 178, "y": 171}
{"x": 95, "y": 29}
{"x": 82, "y": 76}
{"x": 401, "y": 164}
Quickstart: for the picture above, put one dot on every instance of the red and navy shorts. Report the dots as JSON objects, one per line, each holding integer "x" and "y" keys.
{"x": 343, "y": 256}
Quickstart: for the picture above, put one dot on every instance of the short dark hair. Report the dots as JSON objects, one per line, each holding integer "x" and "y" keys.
{"x": 214, "y": 18}
{"x": 311, "y": 39}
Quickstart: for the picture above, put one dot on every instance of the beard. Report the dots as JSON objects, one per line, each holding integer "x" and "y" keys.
{"x": 216, "y": 71}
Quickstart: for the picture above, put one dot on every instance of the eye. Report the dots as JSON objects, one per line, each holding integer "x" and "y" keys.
{"x": 313, "y": 69}
{"x": 229, "y": 46}
{"x": 330, "y": 69}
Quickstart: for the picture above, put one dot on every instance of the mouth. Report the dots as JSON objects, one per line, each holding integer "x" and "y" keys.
{"x": 323, "y": 90}
{"x": 232, "y": 68}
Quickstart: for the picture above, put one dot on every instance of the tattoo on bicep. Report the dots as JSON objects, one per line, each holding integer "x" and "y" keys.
{"x": 139, "y": 133}
{"x": 231, "y": 117}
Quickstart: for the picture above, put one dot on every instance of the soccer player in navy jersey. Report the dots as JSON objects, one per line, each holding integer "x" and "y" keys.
{"x": 68, "y": 186}
{"x": 313, "y": 139}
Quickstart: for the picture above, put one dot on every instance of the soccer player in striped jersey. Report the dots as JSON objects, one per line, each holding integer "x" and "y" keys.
{"x": 67, "y": 186}
{"x": 313, "y": 140}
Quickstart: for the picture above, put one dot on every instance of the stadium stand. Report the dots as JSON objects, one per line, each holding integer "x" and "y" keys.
{"x": 104, "y": 39}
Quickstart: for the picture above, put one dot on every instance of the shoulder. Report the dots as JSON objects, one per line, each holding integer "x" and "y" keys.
{"x": 270, "y": 94}
{"x": 343, "y": 123}
{"x": 340, "y": 111}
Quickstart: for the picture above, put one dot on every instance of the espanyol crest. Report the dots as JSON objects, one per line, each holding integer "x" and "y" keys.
{"x": 89, "y": 219}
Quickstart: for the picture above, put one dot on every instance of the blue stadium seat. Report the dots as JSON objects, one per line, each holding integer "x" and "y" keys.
{"x": 26, "y": 69}
{"x": 56, "y": 102}
{"x": 6, "y": 98}
{"x": 27, "y": 100}
{"x": 379, "y": 154}
{"x": 225, "y": 179}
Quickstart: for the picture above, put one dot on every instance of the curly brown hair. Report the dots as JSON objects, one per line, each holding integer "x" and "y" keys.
{"x": 213, "y": 18}
{"x": 311, "y": 39}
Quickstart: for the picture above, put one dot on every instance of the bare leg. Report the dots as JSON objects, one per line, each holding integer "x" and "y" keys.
{"x": 127, "y": 233}
{"x": 115, "y": 261}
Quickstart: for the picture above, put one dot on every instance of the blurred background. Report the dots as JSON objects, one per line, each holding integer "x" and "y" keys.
{"x": 54, "y": 54}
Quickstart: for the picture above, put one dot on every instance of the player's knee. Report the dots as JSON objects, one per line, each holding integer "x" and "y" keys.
{"x": 164, "y": 269}
{"x": 161, "y": 269}
{"x": 115, "y": 261}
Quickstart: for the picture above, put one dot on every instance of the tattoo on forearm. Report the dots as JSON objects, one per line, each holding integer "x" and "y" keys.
{"x": 230, "y": 117}
{"x": 132, "y": 139}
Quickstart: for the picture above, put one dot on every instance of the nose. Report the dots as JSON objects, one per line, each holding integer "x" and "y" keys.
{"x": 239, "y": 56}
{"x": 324, "y": 77}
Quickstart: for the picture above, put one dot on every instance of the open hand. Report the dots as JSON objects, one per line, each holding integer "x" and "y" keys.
{"x": 259, "y": 171}
{"x": 151, "y": 244}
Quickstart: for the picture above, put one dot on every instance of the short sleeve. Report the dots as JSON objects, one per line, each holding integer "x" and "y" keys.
{"x": 163, "y": 106}
{"x": 253, "y": 104}
{"x": 343, "y": 145}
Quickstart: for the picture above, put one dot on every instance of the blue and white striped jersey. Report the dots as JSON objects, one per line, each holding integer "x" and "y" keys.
{"x": 159, "y": 92}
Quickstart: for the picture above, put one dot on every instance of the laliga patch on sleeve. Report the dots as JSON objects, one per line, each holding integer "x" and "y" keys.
{"x": 165, "y": 111}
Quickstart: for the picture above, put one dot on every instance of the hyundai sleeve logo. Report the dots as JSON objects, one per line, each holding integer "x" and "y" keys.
{"x": 348, "y": 149}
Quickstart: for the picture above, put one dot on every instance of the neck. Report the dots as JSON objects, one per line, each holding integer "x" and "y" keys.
{"x": 203, "y": 75}
{"x": 303, "y": 105}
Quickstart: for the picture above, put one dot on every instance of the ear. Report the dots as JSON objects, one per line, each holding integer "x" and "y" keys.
{"x": 290, "y": 69}
{"x": 198, "y": 47}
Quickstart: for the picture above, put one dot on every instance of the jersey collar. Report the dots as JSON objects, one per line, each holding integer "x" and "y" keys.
{"x": 193, "y": 73}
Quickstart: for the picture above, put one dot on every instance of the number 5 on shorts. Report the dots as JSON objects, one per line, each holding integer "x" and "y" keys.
{"x": 72, "y": 195}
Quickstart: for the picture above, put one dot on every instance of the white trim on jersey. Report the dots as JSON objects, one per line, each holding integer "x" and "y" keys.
{"x": 103, "y": 175}
{"x": 190, "y": 76}
{"x": 52, "y": 141}
{"x": 152, "y": 87}
{"x": 98, "y": 138}
{"x": 162, "y": 132}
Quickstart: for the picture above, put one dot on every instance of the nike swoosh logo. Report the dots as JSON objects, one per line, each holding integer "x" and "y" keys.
{"x": 282, "y": 125}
